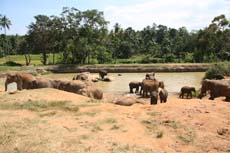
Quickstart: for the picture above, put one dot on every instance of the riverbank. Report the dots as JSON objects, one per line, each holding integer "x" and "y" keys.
{"x": 130, "y": 68}
{"x": 49, "y": 120}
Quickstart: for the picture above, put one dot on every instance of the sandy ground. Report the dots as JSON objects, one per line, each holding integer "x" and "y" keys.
{"x": 180, "y": 125}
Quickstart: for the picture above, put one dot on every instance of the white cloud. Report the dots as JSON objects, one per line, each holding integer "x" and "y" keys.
{"x": 193, "y": 14}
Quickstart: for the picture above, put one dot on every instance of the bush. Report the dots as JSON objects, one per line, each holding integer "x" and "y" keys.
{"x": 148, "y": 59}
{"x": 169, "y": 58}
{"x": 218, "y": 69}
{"x": 188, "y": 58}
{"x": 12, "y": 63}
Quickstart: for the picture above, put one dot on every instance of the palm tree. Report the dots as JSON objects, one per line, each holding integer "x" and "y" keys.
{"x": 5, "y": 24}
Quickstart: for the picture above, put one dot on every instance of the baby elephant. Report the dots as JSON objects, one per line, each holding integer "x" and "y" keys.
{"x": 187, "y": 90}
{"x": 134, "y": 85}
{"x": 163, "y": 94}
{"x": 154, "y": 97}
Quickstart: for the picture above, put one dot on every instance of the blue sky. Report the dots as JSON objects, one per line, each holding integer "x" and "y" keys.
{"x": 193, "y": 14}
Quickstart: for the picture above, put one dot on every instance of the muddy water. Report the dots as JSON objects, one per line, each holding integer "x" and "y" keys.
{"x": 173, "y": 81}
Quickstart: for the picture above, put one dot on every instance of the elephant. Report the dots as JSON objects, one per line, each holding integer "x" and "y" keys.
{"x": 92, "y": 92}
{"x": 107, "y": 79}
{"x": 161, "y": 84}
{"x": 154, "y": 97}
{"x": 82, "y": 76}
{"x": 187, "y": 90}
{"x": 149, "y": 86}
{"x": 42, "y": 83}
{"x": 217, "y": 88}
{"x": 102, "y": 73}
{"x": 150, "y": 76}
{"x": 134, "y": 85}
{"x": 163, "y": 94}
{"x": 23, "y": 80}
{"x": 127, "y": 101}
{"x": 74, "y": 86}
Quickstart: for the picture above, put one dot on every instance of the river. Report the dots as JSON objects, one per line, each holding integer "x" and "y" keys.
{"x": 173, "y": 81}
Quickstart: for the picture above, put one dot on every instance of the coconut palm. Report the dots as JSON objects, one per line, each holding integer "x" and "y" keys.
{"x": 5, "y": 24}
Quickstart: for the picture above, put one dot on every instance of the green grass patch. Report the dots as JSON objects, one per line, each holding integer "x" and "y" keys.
{"x": 153, "y": 113}
{"x": 151, "y": 125}
{"x": 120, "y": 148}
{"x": 115, "y": 127}
{"x": 187, "y": 137}
{"x": 48, "y": 114}
{"x": 159, "y": 134}
{"x": 110, "y": 120}
{"x": 96, "y": 128}
{"x": 172, "y": 124}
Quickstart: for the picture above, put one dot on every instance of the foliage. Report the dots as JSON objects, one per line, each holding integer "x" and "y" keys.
{"x": 218, "y": 69}
{"x": 11, "y": 63}
{"x": 82, "y": 37}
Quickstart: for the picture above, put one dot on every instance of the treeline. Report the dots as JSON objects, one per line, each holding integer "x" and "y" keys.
{"x": 82, "y": 37}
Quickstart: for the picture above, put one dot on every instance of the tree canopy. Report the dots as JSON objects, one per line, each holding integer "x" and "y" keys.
{"x": 80, "y": 37}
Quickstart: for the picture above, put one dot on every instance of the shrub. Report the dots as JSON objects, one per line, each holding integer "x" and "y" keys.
{"x": 12, "y": 63}
{"x": 218, "y": 69}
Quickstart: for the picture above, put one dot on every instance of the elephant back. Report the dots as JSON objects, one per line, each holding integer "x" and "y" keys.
{"x": 150, "y": 85}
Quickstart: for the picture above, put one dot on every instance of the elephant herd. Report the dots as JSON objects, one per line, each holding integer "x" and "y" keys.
{"x": 28, "y": 81}
{"x": 150, "y": 86}
{"x": 83, "y": 83}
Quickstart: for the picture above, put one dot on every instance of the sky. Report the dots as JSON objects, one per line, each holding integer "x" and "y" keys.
{"x": 193, "y": 14}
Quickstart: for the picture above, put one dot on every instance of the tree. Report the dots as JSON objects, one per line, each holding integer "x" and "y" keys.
{"x": 5, "y": 23}
{"x": 40, "y": 33}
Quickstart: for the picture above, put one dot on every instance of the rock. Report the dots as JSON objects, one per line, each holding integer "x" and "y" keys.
{"x": 12, "y": 88}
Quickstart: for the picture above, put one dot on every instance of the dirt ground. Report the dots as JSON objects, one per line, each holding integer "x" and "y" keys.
{"x": 49, "y": 120}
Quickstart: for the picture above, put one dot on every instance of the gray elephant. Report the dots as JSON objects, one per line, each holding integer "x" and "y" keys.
{"x": 127, "y": 101}
{"x": 163, "y": 94}
{"x": 43, "y": 83}
{"x": 149, "y": 86}
{"x": 23, "y": 80}
{"x": 154, "y": 97}
{"x": 187, "y": 90}
{"x": 217, "y": 88}
{"x": 134, "y": 85}
{"x": 102, "y": 73}
{"x": 92, "y": 92}
{"x": 74, "y": 86}
{"x": 82, "y": 76}
{"x": 150, "y": 76}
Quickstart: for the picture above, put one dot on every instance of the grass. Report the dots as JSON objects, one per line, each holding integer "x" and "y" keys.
{"x": 35, "y": 59}
{"x": 172, "y": 124}
{"x": 187, "y": 137}
{"x": 115, "y": 127}
{"x": 48, "y": 114}
{"x": 110, "y": 120}
{"x": 151, "y": 125}
{"x": 120, "y": 148}
{"x": 153, "y": 113}
{"x": 40, "y": 106}
{"x": 159, "y": 134}
{"x": 96, "y": 128}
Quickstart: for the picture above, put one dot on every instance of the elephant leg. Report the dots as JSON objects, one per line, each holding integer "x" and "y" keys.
{"x": 6, "y": 86}
{"x": 19, "y": 85}
{"x": 131, "y": 90}
{"x": 137, "y": 89}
